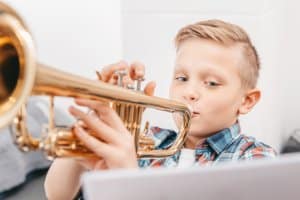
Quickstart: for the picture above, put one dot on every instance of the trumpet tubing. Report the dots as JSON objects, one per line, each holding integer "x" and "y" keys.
{"x": 21, "y": 76}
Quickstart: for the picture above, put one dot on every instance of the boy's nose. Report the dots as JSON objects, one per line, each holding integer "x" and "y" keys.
{"x": 191, "y": 96}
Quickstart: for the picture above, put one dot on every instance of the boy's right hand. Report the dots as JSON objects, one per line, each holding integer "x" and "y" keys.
{"x": 136, "y": 70}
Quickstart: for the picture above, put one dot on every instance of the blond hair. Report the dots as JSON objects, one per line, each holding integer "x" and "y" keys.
{"x": 226, "y": 34}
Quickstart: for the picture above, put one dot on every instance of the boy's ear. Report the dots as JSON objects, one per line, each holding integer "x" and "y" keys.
{"x": 249, "y": 101}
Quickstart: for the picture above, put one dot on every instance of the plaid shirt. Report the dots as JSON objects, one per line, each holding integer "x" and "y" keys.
{"x": 226, "y": 145}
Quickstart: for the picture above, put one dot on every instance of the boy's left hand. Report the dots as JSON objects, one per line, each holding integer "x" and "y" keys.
{"x": 111, "y": 141}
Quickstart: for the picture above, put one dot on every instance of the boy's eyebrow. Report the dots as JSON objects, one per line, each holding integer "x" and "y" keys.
{"x": 206, "y": 72}
{"x": 180, "y": 71}
{"x": 214, "y": 73}
{"x": 217, "y": 76}
{"x": 180, "y": 68}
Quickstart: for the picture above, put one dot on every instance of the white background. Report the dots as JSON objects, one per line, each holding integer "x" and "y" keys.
{"x": 81, "y": 36}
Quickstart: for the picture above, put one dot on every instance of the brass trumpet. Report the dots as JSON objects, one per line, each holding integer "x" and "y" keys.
{"x": 21, "y": 76}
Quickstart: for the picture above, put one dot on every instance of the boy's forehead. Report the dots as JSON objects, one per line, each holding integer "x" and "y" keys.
{"x": 199, "y": 53}
{"x": 201, "y": 48}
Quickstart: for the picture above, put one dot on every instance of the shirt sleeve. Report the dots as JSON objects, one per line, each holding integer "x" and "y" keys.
{"x": 258, "y": 152}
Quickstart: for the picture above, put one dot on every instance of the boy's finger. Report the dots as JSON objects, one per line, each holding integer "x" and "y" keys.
{"x": 108, "y": 71}
{"x": 99, "y": 128}
{"x": 99, "y": 148}
{"x": 86, "y": 102}
{"x": 150, "y": 88}
{"x": 137, "y": 70}
{"x": 107, "y": 114}
{"x": 81, "y": 123}
{"x": 112, "y": 81}
{"x": 101, "y": 164}
{"x": 87, "y": 162}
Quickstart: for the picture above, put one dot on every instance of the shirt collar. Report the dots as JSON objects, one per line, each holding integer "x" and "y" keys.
{"x": 220, "y": 140}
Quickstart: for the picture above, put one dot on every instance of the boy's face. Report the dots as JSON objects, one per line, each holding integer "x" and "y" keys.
{"x": 206, "y": 77}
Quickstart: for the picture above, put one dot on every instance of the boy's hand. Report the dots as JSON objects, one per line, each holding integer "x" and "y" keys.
{"x": 135, "y": 71}
{"x": 111, "y": 141}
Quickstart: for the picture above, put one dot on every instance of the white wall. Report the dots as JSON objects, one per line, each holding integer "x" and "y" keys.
{"x": 290, "y": 68}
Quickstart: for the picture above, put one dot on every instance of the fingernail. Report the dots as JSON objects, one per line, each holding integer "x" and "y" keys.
{"x": 139, "y": 72}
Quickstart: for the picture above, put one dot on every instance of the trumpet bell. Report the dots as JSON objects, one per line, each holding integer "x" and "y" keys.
{"x": 17, "y": 64}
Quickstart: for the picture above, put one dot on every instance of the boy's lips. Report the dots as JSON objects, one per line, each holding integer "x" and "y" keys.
{"x": 194, "y": 111}
{"x": 195, "y": 114}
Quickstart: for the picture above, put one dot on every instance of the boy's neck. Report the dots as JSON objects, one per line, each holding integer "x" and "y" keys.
{"x": 191, "y": 142}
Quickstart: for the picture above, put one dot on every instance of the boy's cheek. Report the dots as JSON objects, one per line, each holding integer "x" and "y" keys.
{"x": 174, "y": 95}
{"x": 172, "y": 90}
{"x": 176, "y": 92}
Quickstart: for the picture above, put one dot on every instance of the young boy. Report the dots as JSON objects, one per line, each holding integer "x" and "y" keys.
{"x": 216, "y": 72}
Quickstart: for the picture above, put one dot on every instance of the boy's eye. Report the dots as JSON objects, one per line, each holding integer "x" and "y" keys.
{"x": 181, "y": 78}
{"x": 212, "y": 83}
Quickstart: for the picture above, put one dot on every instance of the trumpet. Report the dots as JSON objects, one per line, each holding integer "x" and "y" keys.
{"x": 22, "y": 76}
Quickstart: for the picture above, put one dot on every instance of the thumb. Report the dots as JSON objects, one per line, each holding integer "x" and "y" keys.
{"x": 87, "y": 163}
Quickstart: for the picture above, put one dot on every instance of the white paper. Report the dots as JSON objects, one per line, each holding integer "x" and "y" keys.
{"x": 262, "y": 179}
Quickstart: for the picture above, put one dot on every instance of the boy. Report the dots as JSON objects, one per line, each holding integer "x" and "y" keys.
{"x": 216, "y": 71}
